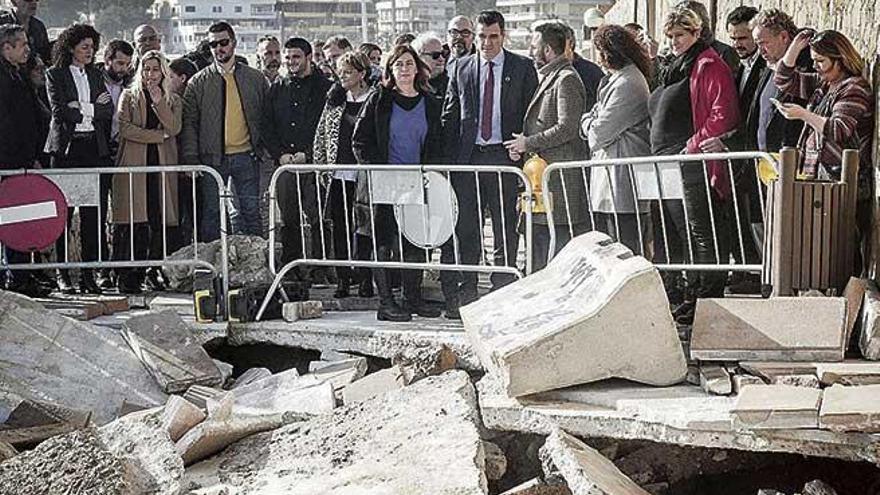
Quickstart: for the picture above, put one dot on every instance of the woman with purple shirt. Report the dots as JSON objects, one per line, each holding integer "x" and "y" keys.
{"x": 399, "y": 124}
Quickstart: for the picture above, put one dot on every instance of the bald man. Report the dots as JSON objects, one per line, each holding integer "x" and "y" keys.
{"x": 146, "y": 38}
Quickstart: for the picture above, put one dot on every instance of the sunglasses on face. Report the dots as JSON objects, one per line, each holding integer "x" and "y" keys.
{"x": 434, "y": 55}
{"x": 224, "y": 43}
{"x": 464, "y": 33}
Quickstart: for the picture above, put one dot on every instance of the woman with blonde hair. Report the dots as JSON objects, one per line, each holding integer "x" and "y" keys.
{"x": 150, "y": 115}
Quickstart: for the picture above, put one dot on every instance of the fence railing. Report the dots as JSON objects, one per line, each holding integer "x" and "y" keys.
{"x": 400, "y": 217}
{"x": 97, "y": 191}
{"x": 684, "y": 212}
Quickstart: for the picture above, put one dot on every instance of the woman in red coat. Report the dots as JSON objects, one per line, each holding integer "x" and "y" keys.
{"x": 693, "y": 107}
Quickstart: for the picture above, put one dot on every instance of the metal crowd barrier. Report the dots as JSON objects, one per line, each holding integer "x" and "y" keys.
{"x": 654, "y": 187}
{"x": 425, "y": 204}
{"x": 83, "y": 187}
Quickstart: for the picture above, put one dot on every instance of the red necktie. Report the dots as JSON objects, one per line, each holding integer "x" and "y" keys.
{"x": 488, "y": 101}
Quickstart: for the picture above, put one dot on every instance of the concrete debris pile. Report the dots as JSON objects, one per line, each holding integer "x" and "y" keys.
{"x": 248, "y": 264}
{"x": 815, "y": 487}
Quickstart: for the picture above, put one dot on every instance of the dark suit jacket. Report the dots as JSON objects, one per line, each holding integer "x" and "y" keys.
{"x": 291, "y": 114}
{"x": 461, "y": 109}
{"x": 591, "y": 74}
{"x": 62, "y": 90}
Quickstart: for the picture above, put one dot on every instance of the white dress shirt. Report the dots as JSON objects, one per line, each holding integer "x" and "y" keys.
{"x": 84, "y": 95}
{"x": 498, "y": 69}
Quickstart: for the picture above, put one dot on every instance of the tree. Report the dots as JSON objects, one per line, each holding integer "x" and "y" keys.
{"x": 112, "y": 18}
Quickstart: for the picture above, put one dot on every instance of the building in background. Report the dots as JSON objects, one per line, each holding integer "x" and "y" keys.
{"x": 320, "y": 19}
{"x": 185, "y": 22}
{"x": 413, "y": 16}
{"x": 519, "y": 15}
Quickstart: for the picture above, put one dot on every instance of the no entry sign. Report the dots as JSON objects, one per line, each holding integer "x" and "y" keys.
{"x": 33, "y": 212}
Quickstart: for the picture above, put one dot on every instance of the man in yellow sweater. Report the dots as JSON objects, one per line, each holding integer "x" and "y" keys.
{"x": 221, "y": 127}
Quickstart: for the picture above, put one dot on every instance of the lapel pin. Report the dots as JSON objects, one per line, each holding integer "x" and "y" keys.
{"x": 507, "y": 79}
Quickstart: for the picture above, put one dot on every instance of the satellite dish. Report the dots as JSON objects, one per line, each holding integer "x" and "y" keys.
{"x": 431, "y": 224}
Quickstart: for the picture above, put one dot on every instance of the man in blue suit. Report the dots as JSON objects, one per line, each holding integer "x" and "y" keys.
{"x": 485, "y": 104}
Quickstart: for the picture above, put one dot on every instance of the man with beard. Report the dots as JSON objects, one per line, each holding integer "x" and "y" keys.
{"x": 460, "y": 37}
{"x": 430, "y": 49}
{"x": 117, "y": 75}
{"x": 22, "y": 13}
{"x": 293, "y": 108}
{"x": 550, "y": 129}
{"x": 269, "y": 58}
{"x": 222, "y": 108}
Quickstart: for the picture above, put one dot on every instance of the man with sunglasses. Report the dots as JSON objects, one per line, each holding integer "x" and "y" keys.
{"x": 430, "y": 49}
{"x": 222, "y": 110}
{"x": 23, "y": 13}
{"x": 460, "y": 37}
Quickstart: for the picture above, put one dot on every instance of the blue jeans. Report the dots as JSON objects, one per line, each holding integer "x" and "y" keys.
{"x": 244, "y": 170}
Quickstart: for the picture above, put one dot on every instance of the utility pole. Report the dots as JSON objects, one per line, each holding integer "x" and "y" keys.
{"x": 363, "y": 21}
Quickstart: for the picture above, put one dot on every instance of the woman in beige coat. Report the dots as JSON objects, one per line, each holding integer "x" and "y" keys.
{"x": 149, "y": 121}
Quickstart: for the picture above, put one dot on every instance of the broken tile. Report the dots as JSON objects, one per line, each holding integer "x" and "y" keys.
{"x": 212, "y": 436}
{"x": 288, "y": 392}
{"x": 585, "y": 470}
{"x": 180, "y": 416}
{"x": 741, "y": 381}
{"x": 302, "y": 310}
{"x": 165, "y": 344}
{"x": 849, "y": 373}
{"x": 851, "y": 408}
{"x": 250, "y": 376}
{"x": 200, "y": 395}
{"x": 775, "y": 329}
{"x": 374, "y": 384}
{"x": 809, "y": 381}
{"x": 715, "y": 380}
{"x": 777, "y": 406}
{"x": 533, "y": 332}
{"x": 359, "y": 364}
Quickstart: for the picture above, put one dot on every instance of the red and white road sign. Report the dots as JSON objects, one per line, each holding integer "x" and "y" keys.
{"x": 33, "y": 212}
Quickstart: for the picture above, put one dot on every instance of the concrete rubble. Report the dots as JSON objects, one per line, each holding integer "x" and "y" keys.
{"x": 250, "y": 376}
{"x": 52, "y": 358}
{"x": 809, "y": 381}
{"x": 779, "y": 328}
{"x": 248, "y": 262}
{"x": 715, "y": 380}
{"x": 164, "y": 343}
{"x": 405, "y": 441}
{"x": 374, "y": 385}
{"x": 869, "y": 338}
{"x": 533, "y": 332}
{"x": 585, "y": 470}
{"x": 302, "y": 310}
{"x": 777, "y": 407}
{"x": 851, "y": 408}
{"x": 537, "y": 486}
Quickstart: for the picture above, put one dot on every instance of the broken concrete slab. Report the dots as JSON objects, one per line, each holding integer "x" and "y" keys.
{"x": 809, "y": 381}
{"x": 869, "y": 338}
{"x": 212, "y": 436}
{"x": 250, "y": 376}
{"x": 851, "y": 408}
{"x": 302, "y": 310}
{"x": 179, "y": 416}
{"x": 817, "y": 487}
{"x": 427, "y": 435}
{"x": 164, "y": 343}
{"x": 775, "y": 329}
{"x": 225, "y": 370}
{"x": 715, "y": 380}
{"x": 420, "y": 362}
{"x": 358, "y": 364}
{"x": 849, "y": 373}
{"x": 247, "y": 256}
{"x": 200, "y": 395}
{"x": 854, "y": 293}
{"x": 358, "y": 332}
{"x": 141, "y": 443}
{"x": 7, "y": 451}
{"x": 50, "y": 358}
{"x": 496, "y": 461}
{"x": 777, "y": 406}
{"x": 287, "y": 392}
{"x": 374, "y": 384}
{"x": 533, "y": 332}
{"x": 585, "y": 470}
{"x": 769, "y": 370}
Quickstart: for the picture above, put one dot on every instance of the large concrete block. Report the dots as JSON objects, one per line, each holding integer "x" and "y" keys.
{"x": 374, "y": 384}
{"x": 165, "y": 344}
{"x": 851, "y": 409}
{"x": 778, "y": 329}
{"x": 777, "y": 406}
{"x": 586, "y": 471}
{"x": 869, "y": 339}
{"x": 595, "y": 312}
{"x": 849, "y": 373}
{"x": 51, "y": 358}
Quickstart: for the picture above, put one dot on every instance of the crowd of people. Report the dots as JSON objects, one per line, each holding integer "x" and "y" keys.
{"x": 458, "y": 98}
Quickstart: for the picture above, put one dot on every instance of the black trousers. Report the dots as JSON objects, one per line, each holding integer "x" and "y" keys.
{"x": 496, "y": 195}
{"x": 83, "y": 153}
{"x": 148, "y": 236}
{"x": 298, "y": 199}
{"x": 346, "y": 243}
{"x": 391, "y": 246}
{"x": 696, "y": 225}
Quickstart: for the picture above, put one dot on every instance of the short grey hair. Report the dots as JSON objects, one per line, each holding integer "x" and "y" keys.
{"x": 423, "y": 39}
{"x": 8, "y": 33}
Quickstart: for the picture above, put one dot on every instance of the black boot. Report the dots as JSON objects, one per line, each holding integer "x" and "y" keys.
{"x": 62, "y": 279}
{"x": 388, "y": 309}
{"x": 412, "y": 294}
{"x": 87, "y": 284}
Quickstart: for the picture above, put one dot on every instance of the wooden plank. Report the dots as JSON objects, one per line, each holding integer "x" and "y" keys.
{"x": 816, "y": 255}
{"x": 834, "y": 236}
{"x": 797, "y": 229}
{"x": 806, "y": 236}
{"x": 827, "y": 234}
{"x": 841, "y": 234}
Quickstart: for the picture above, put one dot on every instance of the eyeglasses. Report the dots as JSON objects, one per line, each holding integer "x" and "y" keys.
{"x": 224, "y": 43}
{"x": 434, "y": 55}
{"x": 464, "y": 33}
